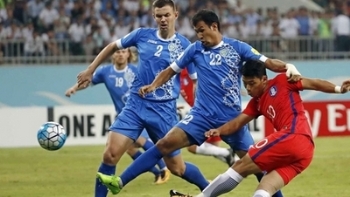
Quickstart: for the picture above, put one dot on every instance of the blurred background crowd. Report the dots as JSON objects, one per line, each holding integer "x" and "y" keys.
{"x": 84, "y": 27}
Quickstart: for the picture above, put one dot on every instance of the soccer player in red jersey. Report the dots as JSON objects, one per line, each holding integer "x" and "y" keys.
{"x": 283, "y": 154}
{"x": 211, "y": 146}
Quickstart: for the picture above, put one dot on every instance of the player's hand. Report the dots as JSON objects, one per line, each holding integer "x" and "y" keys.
{"x": 70, "y": 91}
{"x": 212, "y": 132}
{"x": 292, "y": 73}
{"x": 146, "y": 89}
{"x": 345, "y": 87}
{"x": 84, "y": 78}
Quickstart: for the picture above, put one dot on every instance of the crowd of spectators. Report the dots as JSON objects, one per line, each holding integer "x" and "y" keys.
{"x": 83, "y": 27}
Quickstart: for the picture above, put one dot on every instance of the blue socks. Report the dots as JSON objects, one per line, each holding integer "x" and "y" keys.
{"x": 100, "y": 189}
{"x": 194, "y": 176}
{"x": 146, "y": 161}
{"x": 161, "y": 165}
{"x": 154, "y": 170}
{"x": 260, "y": 176}
{"x": 148, "y": 144}
{"x": 150, "y": 158}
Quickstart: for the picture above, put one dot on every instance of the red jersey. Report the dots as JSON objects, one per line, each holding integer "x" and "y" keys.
{"x": 187, "y": 87}
{"x": 282, "y": 105}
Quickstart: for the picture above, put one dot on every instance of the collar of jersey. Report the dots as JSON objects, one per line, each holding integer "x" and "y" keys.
{"x": 218, "y": 45}
{"x": 166, "y": 40}
{"x": 120, "y": 71}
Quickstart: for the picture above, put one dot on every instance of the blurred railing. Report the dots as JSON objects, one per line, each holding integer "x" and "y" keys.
{"x": 65, "y": 51}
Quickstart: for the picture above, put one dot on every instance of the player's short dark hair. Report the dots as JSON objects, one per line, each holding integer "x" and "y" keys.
{"x": 207, "y": 16}
{"x": 162, "y": 3}
{"x": 253, "y": 68}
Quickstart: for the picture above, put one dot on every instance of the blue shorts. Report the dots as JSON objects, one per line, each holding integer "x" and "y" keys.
{"x": 139, "y": 114}
{"x": 195, "y": 125}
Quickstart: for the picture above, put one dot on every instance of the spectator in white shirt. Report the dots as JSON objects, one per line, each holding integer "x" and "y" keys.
{"x": 14, "y": 32}
{"x": 48, "y": 15}
{"x": 341, "y": 30}
{"x": 76, "y": 33}
{"x": 121, "y": 29}
{"x": 266, "y": 29}
{"x": 289, "y": 26}
{"x": 289, "y": 29}
{"x": 34, "y": 8}
{"x": 34, "y": 46}
{"x": 131, "y": 5}
{"x": 28, "y": 30}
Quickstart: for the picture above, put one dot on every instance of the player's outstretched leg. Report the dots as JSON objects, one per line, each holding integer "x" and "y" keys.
{"x": 134, "y": 153}
{"x": 146, "y": 143}
{"x": 207, "y": 149}
{"x": 173, "y": 141}
{"x": 231, "y": 178}
{"x": 116, "y": 146}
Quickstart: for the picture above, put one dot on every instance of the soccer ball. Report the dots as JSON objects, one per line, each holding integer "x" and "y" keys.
{"x": 51, "y": 136}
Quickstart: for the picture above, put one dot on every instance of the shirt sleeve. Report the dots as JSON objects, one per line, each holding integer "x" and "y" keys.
{"x": 184, "y": 60}
{"x": 192, "y": 71}
{"x": 129, "y": 40}
{"x": 296, "y": 86}
{"x": 247, "y": 52}
{"x": 252, "y": 109}
{"x": 97, "y": 77}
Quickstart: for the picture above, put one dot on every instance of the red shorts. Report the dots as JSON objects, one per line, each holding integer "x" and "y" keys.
{"x": 213, "y": 139}
{"x": 288, "y": 154}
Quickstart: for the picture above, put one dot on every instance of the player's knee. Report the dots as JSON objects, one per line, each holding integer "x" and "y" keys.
{"x": 165, "y": 146}
{"x": 177, "y": 170}
{"x": 110, "y": 157}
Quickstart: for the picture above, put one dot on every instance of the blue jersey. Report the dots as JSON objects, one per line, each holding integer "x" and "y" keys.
{"x": 219, "y": 81}
{"x": 155, "y": 55}
{"x": 117, "y": 82}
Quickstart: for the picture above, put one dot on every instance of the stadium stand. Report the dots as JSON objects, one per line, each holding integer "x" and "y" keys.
{"x": 66, "y": 31}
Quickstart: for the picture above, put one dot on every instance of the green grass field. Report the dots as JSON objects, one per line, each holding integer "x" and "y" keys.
{"x": 70, "y": 172}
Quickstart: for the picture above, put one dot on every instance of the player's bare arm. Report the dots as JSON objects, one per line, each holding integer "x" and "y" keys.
{"x": 84, "y": 78}
{"x": 231, "y": 126}
{"x": 277, "y": 65}
{"x": 325, "y": 86}
{"x": 162, "y": 78}
{"x": 72, "y": 90}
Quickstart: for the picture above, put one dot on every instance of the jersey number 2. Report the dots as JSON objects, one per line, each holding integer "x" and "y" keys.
{"x": 159, "y": 50}
{"x": 187, "y": 119}
{"x": 215, "y": 59}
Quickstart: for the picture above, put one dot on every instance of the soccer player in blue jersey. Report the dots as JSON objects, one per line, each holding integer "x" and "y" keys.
{"x": 118, "y": 77}
{"x": 217, "y": 60}
{"x": 157, "y": 48}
